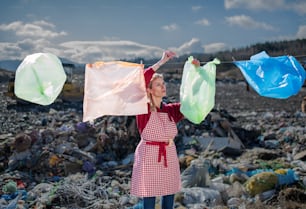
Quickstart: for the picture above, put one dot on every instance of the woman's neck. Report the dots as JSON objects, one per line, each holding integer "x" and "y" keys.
{"x": 156, "y": 102}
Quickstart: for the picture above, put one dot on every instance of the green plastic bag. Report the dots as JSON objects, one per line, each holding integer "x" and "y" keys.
{"x": 39, "y": 78}
{"x": 197, "y": 91}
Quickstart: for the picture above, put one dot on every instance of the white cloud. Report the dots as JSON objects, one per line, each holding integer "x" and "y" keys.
{"x": 37, "y": 29}
{"x": 258, "y": 4}
{"x": 215, "y": 47}
{"x": 171, "y": 27}
{"x": 20, "y": 49}
{"x": 87, "y": 51}
{"x": 9, "y": 51}
{"x": 247, "y": 22}
{"x": 301, "y": 32}
{"x": 192, "y": 46}
{"x": 203, "y": 22}
{"x": 298, "y": 6}
{"x": 92, "y": 51}
{"x": 43, "y": 23}
{"x": 196, "y": 8}
{"x": 10, "y": 27}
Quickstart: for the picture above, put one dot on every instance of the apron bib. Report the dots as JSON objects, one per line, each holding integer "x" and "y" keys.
{"x": 156, "y": 170}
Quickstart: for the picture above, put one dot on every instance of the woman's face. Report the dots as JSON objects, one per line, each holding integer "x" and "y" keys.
{"x": 158, "y": 88}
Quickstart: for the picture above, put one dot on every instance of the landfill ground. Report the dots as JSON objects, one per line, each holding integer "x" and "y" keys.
{"x": 245, "y": 105}
{"x": 236, "y": 99}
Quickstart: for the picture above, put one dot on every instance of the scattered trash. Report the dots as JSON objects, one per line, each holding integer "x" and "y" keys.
{"x": 50, "y": 158}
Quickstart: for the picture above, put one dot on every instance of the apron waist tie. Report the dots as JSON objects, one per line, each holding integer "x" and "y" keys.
{"x": 161, "y": 151}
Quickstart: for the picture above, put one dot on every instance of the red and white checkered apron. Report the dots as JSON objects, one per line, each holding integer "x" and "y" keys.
{"x": 156, "y": 170}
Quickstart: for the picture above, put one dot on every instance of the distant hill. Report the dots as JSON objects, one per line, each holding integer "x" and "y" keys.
{"x": 10, "y": 65}
{"x": 5, "y": 75}
{"x": 296, "y": 48}
{"x": 228, "y": 70}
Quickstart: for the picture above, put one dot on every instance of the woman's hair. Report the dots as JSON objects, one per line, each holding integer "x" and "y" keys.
{"x": 154, "y": 77}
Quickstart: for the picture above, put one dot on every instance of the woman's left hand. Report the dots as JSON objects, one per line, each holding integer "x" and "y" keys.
{"x": 196, "y": 62}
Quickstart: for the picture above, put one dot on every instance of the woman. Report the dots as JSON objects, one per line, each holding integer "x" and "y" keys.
{"x": 156, "y": 170}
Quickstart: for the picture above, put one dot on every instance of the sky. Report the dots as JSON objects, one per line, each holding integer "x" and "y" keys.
{"x": 86, "y": 31}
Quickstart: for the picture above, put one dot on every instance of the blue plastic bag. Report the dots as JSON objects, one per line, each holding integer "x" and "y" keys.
{"x": 289, "y": 178}
{"x": 197, "y": 91}
{"x": 275, "y": 77}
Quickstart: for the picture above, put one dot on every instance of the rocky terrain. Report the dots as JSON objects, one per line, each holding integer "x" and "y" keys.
{"x": 59, "y": 162}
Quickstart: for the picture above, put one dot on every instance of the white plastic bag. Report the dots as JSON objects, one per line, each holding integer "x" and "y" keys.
{"x": 39, "y": 78}
{"x": 197, "y": 91}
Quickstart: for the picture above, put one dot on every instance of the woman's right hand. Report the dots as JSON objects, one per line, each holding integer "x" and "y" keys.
{"x": 167, "y": 55}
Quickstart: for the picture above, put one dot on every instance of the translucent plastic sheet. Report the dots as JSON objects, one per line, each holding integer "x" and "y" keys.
{"x": 275, "y": 77}
{"x": 198, "y": 88}
{"x": 39, "y": 78}
{"x": 114, "y": 88}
